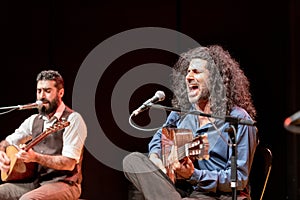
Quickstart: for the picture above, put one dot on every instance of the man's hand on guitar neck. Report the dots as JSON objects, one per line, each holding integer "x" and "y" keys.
{"x": 26, "y": 156}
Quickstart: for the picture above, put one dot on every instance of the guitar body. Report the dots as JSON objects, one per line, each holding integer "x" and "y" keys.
{"x": 178, "y": 144}
{"x": 18, "y": 170}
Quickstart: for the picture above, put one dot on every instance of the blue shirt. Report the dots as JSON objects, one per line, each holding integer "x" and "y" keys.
{"x": 214, "y": 174}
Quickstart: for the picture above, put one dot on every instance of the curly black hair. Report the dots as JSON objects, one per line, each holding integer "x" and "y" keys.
{"x": 51, "y": 75}
{"x": 227, "y": 83}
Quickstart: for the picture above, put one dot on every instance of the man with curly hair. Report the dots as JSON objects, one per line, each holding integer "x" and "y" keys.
{"x": 57, "y": 158}
{"x": 208, "y": 80}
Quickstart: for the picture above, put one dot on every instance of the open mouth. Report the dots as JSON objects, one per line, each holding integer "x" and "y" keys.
{"x": 193, "y": 89}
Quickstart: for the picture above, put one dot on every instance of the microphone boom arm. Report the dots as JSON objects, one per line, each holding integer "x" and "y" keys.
{"x": 195, "y": 112}
{"x": 9, "y": 107}
{"x": 23, "y": 107}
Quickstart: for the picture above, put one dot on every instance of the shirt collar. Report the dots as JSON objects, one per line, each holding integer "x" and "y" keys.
{"x": 57, "y": 114}
{"x": 59, "y": 110}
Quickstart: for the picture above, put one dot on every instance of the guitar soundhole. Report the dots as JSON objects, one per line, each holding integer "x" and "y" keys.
{"x": 20, "y": 167}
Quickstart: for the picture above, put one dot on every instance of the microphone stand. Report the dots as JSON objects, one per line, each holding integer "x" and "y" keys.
{"x": 230, "y": 119}
{"x": 234, "y": 122}
{"x": 232, "y": 134}
{"x": 9, "y": 107}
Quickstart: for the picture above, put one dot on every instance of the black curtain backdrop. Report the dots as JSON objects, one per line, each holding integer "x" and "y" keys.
{"x": 262, "y": 35}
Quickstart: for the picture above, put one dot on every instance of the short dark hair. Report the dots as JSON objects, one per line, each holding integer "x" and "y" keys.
{"x": 51, "y": 75}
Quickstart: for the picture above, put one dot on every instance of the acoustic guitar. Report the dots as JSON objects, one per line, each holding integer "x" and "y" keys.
{"x": 180, "y": 143}
{"x": 24, "y": 171}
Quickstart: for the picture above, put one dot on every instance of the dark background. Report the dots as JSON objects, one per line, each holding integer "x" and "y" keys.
{"x": 262, "y": 35}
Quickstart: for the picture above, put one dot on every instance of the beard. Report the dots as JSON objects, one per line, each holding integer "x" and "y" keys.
{"x": 53, "y": 105}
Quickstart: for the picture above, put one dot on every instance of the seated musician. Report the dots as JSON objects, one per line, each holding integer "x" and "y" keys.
{"x": 209, "y": 80}
{"x": 57, "y": 157}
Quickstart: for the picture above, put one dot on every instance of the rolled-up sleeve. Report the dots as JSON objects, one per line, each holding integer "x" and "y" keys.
{"x": 74, "y": 136}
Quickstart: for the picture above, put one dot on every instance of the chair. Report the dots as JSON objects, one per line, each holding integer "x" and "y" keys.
{"x": 260, "y": 172}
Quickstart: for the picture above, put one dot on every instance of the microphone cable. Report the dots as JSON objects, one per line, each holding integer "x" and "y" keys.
{"x": 139, "y": 128}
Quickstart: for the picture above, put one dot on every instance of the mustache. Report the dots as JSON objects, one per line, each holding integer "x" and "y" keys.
{"x": 44, "y": 100}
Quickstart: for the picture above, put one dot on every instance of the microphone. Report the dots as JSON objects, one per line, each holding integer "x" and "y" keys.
{"x": 159, "y": 96}
{"x": 37, "y": 104}
{"x": 292, "y": 123}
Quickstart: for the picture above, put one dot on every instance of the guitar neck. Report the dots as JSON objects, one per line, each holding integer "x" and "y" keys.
{"x": 197, "y": 148}
{"x": 37, "y": 140}
{"x": 56, "y": 127}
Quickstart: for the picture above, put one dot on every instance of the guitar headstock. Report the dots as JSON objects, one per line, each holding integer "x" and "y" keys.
{"x": 62, "y": 123}
{"x": 198, "y": 148}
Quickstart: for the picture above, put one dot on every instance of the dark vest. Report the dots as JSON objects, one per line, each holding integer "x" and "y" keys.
{"x": 52, "y": 145}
